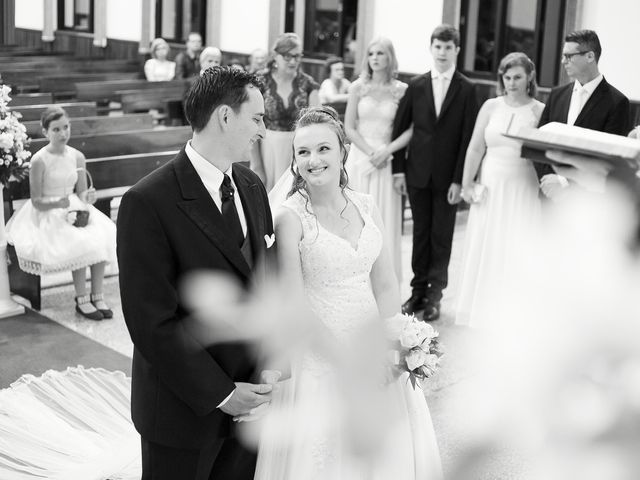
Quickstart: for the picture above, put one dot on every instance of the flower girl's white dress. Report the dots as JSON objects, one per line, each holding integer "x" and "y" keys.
{"x": 311, "y": 439}
{"x": 46, "y": 241}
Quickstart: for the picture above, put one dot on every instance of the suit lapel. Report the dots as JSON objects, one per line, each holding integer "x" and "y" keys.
{"x": 564, "y": 100}
{"x": 452, "y": 91}
{"x": 593, "y": 101}
{"x": 428, "y": 87}
{"x": 200, "y": 207}
{"x": 249, "y": 194}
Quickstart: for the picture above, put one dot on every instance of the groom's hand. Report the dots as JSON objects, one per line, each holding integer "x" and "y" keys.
{"x": 246, "y": 397}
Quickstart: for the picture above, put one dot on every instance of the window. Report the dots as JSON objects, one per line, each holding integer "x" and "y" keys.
{"x": 75, "y": 15}
{"x": 330, "y": 28}
{"x": 492, "y": 28}
{"x": 176, "y": 18}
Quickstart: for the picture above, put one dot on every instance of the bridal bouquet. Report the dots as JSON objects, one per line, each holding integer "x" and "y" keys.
{"x": 13, "y": 139}
{"x": 417, "y": 347}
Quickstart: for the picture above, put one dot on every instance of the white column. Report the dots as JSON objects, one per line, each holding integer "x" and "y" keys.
{"x": 100, "y": 23}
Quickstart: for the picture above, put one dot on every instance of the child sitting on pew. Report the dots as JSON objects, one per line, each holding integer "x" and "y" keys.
{"x": 47, "y": 232}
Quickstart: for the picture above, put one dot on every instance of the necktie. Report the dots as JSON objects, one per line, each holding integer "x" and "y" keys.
{"x": 229, "y": 210}
{"x": 576, "y": 106}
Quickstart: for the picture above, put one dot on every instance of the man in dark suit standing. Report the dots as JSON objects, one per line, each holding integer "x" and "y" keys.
{"x": 589, "y": 101}
{"x": 200, "y": 211}
{"x": 442, "y": 107}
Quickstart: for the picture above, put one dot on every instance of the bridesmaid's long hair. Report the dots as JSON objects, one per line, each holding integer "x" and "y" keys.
{"x": 392, "y": 66}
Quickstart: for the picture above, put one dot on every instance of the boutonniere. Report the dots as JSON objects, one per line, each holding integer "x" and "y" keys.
{"x": 270, "y": 240}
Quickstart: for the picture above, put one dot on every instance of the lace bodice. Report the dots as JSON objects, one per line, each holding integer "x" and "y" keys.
{"x": 336, "y": 275}
{"x": 377, "y": 107}
{"x": 60, "y": 174}
{"x": 506, "y": 117}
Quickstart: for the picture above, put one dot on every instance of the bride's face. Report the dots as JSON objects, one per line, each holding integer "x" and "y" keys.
{"x": 318, "y": 155}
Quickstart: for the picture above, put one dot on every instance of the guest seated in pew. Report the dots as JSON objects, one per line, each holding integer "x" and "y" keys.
{"x": 48, "y": 232}
{"x": 188, "y": 62}
{"x": 210, "y": 57}
{"x": 335, "y": 89}
{"x": 257, "y": 60}
{"x": 158, "y": 68}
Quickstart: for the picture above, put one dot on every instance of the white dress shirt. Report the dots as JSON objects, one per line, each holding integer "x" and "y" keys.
{"x": 440, "y": 83}
{"x": 212, "y": 178}
{"x": 580, "y": 96}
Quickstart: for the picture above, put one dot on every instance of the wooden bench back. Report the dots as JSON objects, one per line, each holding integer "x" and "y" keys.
{"x": 73, "y": 109}
{"x": 125, "y": 143}
{"x": 98, "y": 125}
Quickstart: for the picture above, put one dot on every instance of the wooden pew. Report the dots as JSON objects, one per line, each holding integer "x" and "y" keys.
{"x": 25, "y": 75}
{"x": 156, "y": 98}
{"x": 110, "y": 90}
{"x": 112, "y": 176}
{"x": 77, "y": 109}
{"x": 31, "y": 99}
{"x": 98, "y": 125}
{"x": 125, "y": 143}
{"x": 63, "y": 85}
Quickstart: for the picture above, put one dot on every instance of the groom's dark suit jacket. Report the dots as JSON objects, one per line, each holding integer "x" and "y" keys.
{"x": 168, "y": 226}
{"x": 607, "y": 110}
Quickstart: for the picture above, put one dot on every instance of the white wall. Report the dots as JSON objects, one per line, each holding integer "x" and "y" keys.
{"x": 244, "y": 25}
{"x": 616, "y": 22}
{"x": 408, "y": 23}
{"x": 124, "y": 19}
{"x": 30, "y": 14}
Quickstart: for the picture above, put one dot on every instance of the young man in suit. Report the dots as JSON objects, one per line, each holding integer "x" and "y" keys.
{"x": 200, "y": 211}
{"x": 442, "y": 107}
{"x": 589, "y": 101}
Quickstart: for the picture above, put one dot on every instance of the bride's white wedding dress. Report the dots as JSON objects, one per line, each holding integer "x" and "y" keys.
{"x": 337, "y": 283}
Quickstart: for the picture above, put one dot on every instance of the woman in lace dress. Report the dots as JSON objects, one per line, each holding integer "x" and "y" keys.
{"x": 42, "y": 231}
{"x": 331, "y": 246}
{"x": 371, "y": 108}
{"x": 286, "y": 91}
{"x": 499, "y": 224}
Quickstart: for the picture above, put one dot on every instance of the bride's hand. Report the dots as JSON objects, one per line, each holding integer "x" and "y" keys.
{"x": 380, "y": 157}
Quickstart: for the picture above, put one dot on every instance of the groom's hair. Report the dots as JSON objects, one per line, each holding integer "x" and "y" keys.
{"x": 216, "y": 86}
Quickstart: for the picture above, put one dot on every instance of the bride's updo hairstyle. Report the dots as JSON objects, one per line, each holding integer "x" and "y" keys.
{"x": 322, "y": 115}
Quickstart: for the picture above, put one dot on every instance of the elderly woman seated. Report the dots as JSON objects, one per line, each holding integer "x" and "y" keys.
{"x": 210, "y": 57}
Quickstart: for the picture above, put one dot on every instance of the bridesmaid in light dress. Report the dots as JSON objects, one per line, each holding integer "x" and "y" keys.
{"x": 371, "y": 108}
{"x": 500, "y": 225}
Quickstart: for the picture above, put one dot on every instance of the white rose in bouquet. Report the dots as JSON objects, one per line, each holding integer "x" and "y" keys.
{"x": 6, "y": 140}
{"x": 416, "y": 358}
{"x": 411, "y": 335}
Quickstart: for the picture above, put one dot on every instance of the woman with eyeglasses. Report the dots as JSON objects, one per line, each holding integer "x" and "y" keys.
{"x": 286, "y": 91}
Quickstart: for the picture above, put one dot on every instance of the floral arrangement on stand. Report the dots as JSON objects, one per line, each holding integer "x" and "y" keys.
{"x": 417, "y": 348}
{"x": 13, "y": 140}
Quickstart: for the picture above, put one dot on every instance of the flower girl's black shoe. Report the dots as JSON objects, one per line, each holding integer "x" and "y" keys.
{"x": 90, "y": 313}
{"x": 97, "y": 299}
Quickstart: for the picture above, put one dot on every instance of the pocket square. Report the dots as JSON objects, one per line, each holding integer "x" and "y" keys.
{"x": 270, "y": 239}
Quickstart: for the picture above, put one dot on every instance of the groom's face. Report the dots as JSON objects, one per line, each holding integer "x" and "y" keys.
{"x": 248, "y": 121}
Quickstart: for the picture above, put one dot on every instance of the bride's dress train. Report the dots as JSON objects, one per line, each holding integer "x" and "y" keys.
{"x": 309, "y": 432}
{"x": 69, "y": 425}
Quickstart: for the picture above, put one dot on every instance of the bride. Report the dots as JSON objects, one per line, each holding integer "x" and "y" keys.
{"x": 330, "y": 243}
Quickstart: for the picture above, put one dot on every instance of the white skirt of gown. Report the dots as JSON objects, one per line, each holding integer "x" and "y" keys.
{"x": 70, "y": 425}
{"x": 378, "y": 183}
{"x": 46, "y": 242}
{"x": 499, "y": 229}
{"x": 308, "y": 433}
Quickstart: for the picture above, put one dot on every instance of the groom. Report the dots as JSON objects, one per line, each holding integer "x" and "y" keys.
{"x": 200, "y": 211}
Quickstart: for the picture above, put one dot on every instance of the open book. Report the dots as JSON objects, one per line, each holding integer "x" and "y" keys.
{"x": 567, "y": 138}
